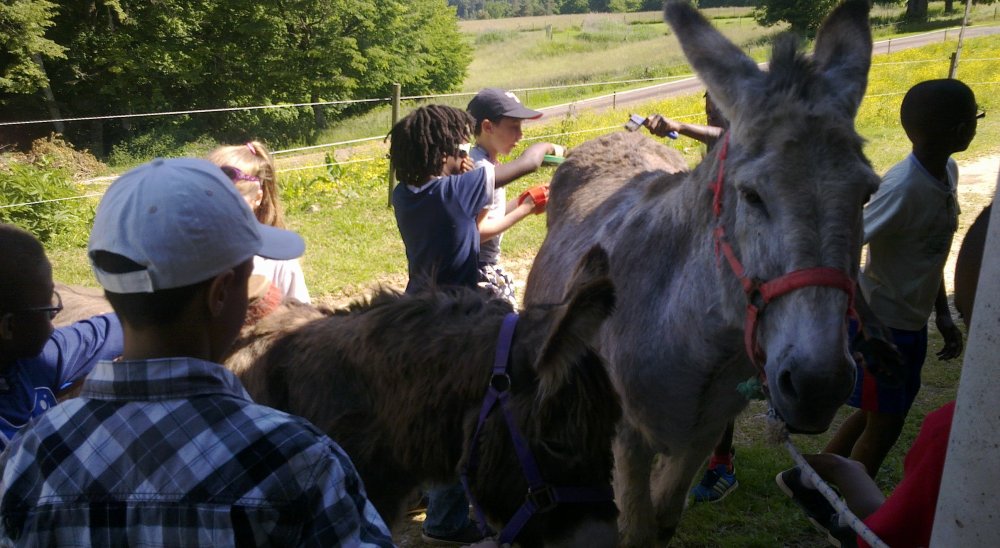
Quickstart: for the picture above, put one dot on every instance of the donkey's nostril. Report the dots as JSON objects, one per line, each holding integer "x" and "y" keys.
{"x": 786, "y": 385}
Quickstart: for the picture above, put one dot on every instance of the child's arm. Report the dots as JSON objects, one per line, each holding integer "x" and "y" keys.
{"x": 489, "y": 228}
{"x": 661, "y": 126}
{"x": 529, "y": 161}
{"x": 951, "y": 334}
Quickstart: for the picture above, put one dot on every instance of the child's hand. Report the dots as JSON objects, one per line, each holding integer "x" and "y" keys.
{"x": 538, "y": 196}
{"x": 876, "y": 353}
{"x": 952, "y": 336}
{"x": 467, "y": 165}
{"x": 660, "y": 126}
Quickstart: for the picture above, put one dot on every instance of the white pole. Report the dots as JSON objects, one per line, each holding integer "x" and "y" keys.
{"x": 968, "y": 507}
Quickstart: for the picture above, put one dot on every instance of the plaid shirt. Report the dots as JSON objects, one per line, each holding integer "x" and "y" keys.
{"x": 173, "y": 452}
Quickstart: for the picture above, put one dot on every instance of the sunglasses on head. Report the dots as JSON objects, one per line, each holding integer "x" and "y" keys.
{"x": 236, "y": 175}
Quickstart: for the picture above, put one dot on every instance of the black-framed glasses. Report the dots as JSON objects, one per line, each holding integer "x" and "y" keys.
{"x": 52, "y": 310}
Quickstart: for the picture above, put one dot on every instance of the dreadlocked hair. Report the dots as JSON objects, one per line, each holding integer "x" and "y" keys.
{"x": 425, "y": 136}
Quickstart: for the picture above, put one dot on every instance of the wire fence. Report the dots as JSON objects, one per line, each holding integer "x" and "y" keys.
{"x": 108, "y": 179}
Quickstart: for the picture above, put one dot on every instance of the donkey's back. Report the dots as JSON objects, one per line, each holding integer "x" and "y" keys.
{"x": 598, "y": 184}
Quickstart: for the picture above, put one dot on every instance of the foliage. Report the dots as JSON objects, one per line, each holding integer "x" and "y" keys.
{"x": 804, "y": 16}
{"x": 165, "y": 142}
{"x": 54, "y": 222}
{"x": 23, "y": 44}
{"x": 125, "y": 56}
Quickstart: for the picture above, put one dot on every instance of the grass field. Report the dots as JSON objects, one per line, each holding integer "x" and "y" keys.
{"x": 353, "y": 243}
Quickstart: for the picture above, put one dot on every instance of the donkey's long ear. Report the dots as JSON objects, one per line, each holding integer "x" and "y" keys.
{"x": 589, "y": 301}
{"x": 729, "y": 74}
{"x": 843, "y": 53}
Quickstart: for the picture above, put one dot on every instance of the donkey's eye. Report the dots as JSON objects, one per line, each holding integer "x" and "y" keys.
{"x": 751, "y": 197}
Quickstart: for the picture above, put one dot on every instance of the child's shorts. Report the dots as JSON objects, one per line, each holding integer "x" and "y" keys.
{"x": 872, "y": 395}
{"x": 497, "y": 283}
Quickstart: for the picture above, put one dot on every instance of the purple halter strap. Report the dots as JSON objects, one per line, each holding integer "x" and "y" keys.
{"x": 541, "y": 497}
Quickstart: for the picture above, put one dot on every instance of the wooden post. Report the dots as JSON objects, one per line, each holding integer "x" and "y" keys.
{"x": 614, "y": 100}
{"x": 953, "y": 70}
{"x": 396, "y": 89}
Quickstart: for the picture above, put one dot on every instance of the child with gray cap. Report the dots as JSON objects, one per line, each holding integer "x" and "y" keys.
{"x": 499, "y": 114}
{"x": 164, "y": 447}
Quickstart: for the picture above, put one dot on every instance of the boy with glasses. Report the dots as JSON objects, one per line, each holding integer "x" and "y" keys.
{"x": 37, "y": 362}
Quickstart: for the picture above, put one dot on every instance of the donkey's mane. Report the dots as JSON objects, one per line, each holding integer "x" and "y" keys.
{"x": 434, "y": 301}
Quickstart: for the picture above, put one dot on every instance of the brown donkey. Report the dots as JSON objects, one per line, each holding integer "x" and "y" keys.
{"x": 399, "y": 383}
{"x": 743, "y": 268}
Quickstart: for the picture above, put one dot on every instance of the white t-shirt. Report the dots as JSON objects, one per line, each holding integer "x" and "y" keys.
{"x": 489, "y": 251}
{"x": 286, "y": 275}
{"x": 909, "y": 224}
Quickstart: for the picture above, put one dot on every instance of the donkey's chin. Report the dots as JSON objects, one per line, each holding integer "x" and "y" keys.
{"x": 803, "y": 421}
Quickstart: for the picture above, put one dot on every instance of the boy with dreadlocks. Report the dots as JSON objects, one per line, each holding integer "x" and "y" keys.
{"x": 438, "y": 203}
{"x": 440, "y": 197}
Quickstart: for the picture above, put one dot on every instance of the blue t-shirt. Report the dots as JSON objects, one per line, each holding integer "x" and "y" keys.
{"x": 438, "y": 224}
{"x": 29, "y": 387}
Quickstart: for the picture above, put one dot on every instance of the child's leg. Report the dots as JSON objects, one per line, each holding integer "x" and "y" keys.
{"x": 723, "y": 453}
{"x": 880, "y": 435}
{"x": 843, "y": 441}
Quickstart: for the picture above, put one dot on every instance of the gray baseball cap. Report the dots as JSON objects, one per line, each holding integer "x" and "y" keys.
{"x": 185, "y": 222}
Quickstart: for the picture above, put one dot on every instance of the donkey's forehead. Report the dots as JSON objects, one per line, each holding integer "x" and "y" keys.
{"x": 781, "y": 124}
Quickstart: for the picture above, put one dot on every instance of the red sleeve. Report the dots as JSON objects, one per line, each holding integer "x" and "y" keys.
{"x": 905, "y": 518}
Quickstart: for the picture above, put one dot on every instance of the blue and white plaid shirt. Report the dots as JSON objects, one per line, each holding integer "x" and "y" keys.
{"x": 172, "y": 452}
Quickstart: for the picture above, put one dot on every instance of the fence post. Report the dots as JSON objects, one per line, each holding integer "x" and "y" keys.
{"x": 614, "y": 100}
{"x": 396, "y": 88}
{"x": 961, "y": 36}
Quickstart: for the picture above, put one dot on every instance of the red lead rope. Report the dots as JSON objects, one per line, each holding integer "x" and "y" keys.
{"x": 760, "y": 294}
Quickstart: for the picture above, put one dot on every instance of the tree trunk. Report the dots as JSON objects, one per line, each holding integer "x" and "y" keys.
{"x": 916, "y": 10}
{"x": 97, "y": 138}
{"x": 50, "y": 98}
{"x": 949, "y": 6}
{"x": 318, "y": 115}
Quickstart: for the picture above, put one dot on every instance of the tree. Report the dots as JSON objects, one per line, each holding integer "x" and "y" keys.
{"x": 804, "y": 16}
{"x": 125, "y": 56}
{"x": 574, "y": 6}
{"x": 23, "y": 45}
{"x": 916, "y": 10}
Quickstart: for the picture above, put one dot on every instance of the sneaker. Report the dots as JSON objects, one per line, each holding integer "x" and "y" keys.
{"x": 819, "y": 510}
{"x": 839, "y": 535}
{"x": 717, "y": 483}
{"x": 470, "y": 534}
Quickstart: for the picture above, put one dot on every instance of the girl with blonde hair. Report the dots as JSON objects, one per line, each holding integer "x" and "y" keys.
{"x": 251, "y": 168}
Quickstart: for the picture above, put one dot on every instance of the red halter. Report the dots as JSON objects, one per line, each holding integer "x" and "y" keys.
{"x": 761, "y": 293}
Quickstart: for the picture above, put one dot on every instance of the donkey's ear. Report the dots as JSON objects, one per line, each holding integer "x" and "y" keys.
{"x": 843, "y": 53}
{"x": 589, "y": 301}
{"x": 728, "y": 73}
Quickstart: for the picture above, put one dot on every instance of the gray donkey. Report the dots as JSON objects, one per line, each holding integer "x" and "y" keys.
{"x": 749, "y": 260}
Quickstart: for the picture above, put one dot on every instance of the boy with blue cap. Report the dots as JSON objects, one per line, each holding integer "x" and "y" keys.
{"x": 164, "y": 447}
